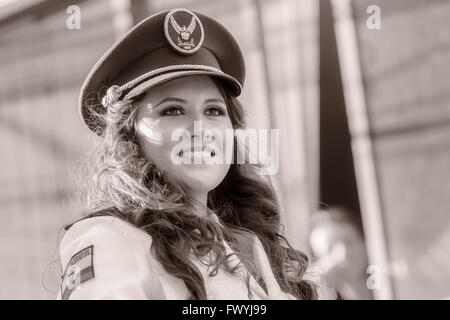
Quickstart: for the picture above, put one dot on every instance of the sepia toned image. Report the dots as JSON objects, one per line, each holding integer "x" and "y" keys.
{"x": 225, "y": 150}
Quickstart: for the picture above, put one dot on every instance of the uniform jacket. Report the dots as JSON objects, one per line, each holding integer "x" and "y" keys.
{"x": 108, "y": 258}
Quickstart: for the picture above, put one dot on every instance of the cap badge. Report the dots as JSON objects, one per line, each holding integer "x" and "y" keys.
{"x": 186, "y": 40}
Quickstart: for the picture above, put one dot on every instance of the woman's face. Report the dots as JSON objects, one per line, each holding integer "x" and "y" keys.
{"x": 176, "y": 104}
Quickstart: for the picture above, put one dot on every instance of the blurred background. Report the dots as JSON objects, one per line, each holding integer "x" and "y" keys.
{"x": 359, "y": 90}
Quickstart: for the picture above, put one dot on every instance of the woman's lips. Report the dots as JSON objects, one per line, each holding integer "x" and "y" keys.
{"x": 196, "y": 153}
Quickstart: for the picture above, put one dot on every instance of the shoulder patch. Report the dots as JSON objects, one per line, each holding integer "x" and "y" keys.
{"x": 79, "y": 269}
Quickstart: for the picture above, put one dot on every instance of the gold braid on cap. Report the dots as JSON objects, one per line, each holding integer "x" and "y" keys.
{"x": 114, "y": 92}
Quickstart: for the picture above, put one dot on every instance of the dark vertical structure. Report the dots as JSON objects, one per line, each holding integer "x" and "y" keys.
{"x": 337, "y": 175}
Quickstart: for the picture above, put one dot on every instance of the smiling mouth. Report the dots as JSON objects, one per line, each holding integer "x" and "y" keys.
{"x": 197, "y": 153}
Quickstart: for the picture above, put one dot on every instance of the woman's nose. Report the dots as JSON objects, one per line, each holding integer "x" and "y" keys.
{"x": 197, "y": 123}
{"x": 200, "y": 132}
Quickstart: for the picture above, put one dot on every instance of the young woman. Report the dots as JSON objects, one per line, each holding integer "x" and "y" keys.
{"x": 162, "y": 222}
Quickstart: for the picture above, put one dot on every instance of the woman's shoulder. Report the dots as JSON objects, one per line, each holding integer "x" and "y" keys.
{"x": 105, "y": 228}
{"x": 106, "y": 257}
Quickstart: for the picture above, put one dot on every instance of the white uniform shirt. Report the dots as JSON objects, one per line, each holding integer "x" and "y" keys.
{"x": 108, "y": 258}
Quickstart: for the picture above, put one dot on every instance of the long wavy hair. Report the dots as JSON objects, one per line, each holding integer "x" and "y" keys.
{"x": 125, "y": 184}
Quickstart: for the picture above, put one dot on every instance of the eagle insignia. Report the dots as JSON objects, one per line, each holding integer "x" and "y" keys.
{"x": 184, "y": 31}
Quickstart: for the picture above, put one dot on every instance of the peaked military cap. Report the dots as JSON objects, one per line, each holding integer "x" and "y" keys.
{"x": 164, "y": 46}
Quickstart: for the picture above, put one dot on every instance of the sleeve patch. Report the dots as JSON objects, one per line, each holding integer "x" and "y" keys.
{"x": 79, "y": 269}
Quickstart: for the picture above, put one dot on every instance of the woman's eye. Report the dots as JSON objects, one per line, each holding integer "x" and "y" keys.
{"x": 172, "y": 111}
{"x": 215, "y": 111}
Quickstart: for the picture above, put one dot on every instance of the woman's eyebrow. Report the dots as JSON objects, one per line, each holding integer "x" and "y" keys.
{"x": 214, "y": 100}
{"x": 170, "y": 99}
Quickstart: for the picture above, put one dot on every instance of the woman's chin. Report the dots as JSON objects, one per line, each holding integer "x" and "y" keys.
{"x": 201, "y": 179}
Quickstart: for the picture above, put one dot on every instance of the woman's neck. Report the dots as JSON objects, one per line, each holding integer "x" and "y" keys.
{"x": 198, "y": 203}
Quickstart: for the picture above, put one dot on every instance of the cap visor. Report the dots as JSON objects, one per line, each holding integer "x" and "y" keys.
{"x": 144, "y": 86}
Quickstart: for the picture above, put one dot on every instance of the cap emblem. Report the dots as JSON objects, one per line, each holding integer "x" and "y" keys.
{"x": 185, "y": 40}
